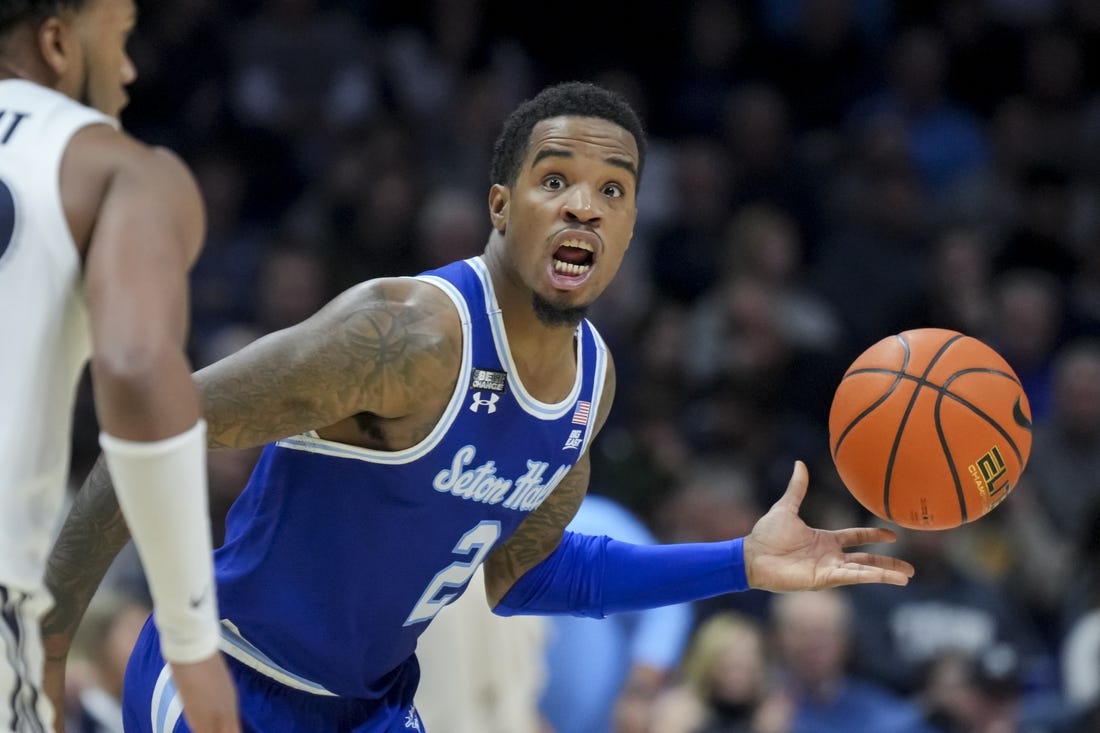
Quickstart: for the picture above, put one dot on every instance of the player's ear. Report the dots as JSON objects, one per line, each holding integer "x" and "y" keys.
{"x": 498, "y": 206}
{"x": 57, "y": 43}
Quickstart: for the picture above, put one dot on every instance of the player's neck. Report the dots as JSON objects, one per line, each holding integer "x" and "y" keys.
{"x": 546, "y": 367}
{"x": 19, "y": 59}
{"x": 526, "y": 331}
{"x": 544, "y": 355}
{"x": 9, "y": 71}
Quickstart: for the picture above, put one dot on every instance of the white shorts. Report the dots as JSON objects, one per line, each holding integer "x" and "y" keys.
{"x": 24, "y": 708}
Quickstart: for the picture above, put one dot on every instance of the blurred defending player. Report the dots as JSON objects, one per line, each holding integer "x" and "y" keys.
{"x": 418, "y": 427}
{"x": 97, "y": 233}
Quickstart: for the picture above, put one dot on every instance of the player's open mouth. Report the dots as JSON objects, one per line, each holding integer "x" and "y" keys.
{"x": 573, "y": 258}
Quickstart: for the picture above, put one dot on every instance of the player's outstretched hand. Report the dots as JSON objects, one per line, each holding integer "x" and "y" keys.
{"x": 783, "y": 553}
{"x": 208, "y": 694}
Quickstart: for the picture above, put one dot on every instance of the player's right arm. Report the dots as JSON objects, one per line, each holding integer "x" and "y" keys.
{"x": 386, "y": 347}
{"x": 389, "y": 348}
{"x": 137, "y": 218}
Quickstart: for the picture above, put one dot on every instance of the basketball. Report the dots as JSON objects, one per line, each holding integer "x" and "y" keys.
{"x": 930, "y": 429}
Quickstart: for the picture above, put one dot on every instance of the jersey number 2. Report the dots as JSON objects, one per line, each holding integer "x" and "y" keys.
{"x": 7, "y": 217}
{"x": 444, "y": 586}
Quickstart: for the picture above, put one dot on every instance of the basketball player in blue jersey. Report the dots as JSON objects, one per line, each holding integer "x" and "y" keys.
{"x": 417, "y": 427}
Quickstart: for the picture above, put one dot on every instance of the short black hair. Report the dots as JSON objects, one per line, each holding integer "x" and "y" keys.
{"x": 572, "y": 98}
{"x": 14, "y": 12}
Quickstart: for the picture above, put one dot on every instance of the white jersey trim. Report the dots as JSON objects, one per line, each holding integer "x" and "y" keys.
{"x": 599, "y": 378}
{"x": 530, "y": 405}
{"x": 311, "y": 442}
{"x": 248, "y": 654}
{"x": 166, "y": 708}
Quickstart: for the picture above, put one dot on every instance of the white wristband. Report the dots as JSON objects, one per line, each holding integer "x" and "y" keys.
{"x": 161, "y": 489}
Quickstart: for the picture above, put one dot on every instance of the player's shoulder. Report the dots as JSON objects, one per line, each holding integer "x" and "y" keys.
{"x": 405, "y": 292}
{"x": 404, "y": 304}
{"x": 401, "y": 319}
{"x": 104, "y": 166}
{"x": 115, "y": 151}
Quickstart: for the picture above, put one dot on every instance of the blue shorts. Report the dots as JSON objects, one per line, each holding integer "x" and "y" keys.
{"x": 150, "y": 703}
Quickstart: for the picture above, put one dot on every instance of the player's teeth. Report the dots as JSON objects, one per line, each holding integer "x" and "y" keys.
{"x": 569, "y": 268}
{"x": 578, "y": 245}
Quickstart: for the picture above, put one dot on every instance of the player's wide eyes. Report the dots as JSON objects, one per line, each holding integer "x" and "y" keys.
{"x": 611, "y": 190}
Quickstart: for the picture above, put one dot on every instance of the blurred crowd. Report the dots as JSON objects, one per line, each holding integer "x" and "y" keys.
{"x": 822, "y": 174}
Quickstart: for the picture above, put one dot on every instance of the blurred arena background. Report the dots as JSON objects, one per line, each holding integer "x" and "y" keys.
{"x": 822, "y": 173}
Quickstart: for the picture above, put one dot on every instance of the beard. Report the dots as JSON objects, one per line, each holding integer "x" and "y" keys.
{"x": 550, "y": 314}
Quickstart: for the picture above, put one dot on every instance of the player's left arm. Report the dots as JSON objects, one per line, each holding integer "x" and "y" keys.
{"x": 543, "y": 569}
{"x": 384, "y": 346}
{"x": 541, "y": 533}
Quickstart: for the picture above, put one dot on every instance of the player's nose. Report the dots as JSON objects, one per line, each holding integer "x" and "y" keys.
{"x": 580, "y": 205}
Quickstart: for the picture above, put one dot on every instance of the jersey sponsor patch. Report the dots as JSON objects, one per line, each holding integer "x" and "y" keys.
{"x": 488, "y": 379}
{"x": 573, "y": 442}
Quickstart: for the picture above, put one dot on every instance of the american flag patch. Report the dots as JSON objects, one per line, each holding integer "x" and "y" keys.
{"x": 580, "y": 416}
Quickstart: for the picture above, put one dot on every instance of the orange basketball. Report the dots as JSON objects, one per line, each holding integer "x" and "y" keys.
{"x": 930, "y": 429}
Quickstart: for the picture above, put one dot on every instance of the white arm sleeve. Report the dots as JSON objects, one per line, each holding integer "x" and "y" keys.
{"x": 161, "y": 489}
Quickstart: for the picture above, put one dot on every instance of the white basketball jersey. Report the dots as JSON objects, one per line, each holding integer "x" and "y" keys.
{"x": 45, "y": 340}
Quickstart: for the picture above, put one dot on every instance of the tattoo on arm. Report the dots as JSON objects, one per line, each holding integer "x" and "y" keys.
{"x": 369, "y": 351}
{"x": 92, "y": 536}
{"x": 538, "y": 536}
{"x": 541, "y": 532}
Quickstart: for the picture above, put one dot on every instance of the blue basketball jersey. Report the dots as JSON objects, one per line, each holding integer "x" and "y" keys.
{"x": 337, "y": 557}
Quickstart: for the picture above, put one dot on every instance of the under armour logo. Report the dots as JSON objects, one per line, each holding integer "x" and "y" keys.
{"x": 491, "y": 403}
{"x": 412, "y": 720}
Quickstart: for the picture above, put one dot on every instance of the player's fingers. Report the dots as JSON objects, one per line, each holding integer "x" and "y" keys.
{"x": 854, "y": 574}
{"x": 885, "y": 562}
{"x": 863, "y": 536}
{"x": 796, "y": 487}
{"x": 878, "y": 575}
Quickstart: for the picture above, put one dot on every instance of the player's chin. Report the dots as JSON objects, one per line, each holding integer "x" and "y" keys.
{"x": 558, "y": 310}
